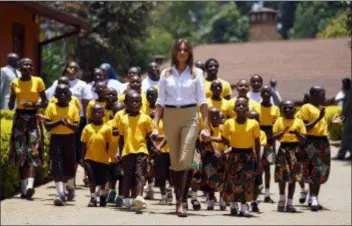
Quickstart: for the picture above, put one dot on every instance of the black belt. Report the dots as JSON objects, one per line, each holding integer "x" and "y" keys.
{"x": 180, "y": 106}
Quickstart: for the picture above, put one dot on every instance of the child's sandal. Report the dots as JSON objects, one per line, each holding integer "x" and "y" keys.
{"x": 196, "y": 205}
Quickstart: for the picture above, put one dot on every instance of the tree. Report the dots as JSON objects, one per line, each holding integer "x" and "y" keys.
{"x": 337, "y": 27}
{"x": 312, "y": 17}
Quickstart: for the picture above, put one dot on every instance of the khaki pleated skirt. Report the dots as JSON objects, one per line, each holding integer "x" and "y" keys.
{"x": 181, "y": 128}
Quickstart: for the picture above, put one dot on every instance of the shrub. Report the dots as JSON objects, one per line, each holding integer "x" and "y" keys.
{"x": 9, "y": 174}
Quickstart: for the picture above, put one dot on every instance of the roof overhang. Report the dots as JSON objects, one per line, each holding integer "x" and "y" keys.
{"x": 54, "y": 14}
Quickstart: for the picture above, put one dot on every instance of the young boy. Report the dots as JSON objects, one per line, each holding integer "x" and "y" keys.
{"x": 290, "y": 132}
{"x": 216, "y": 100}
{"x": 258, "y": 178}
{"x": 243, "y": 135}
{"x": 73, "y": 100}
{"x": 62, "y": 120}
{"x": 268, "y": 113}
{"x": 316, "y": 166}
{"x": 114, "y": 168}
{"x": 110, "y": 100}
{"x": 134, "y": 129}
{"x": 96, "y": 138}
{"x": 213, "y": 161}
{"x": 152, "y": 96}
{"x": 100, "y": 89}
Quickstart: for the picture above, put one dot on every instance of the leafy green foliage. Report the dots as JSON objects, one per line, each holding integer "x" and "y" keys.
{"x": 312, "y": 17}
{"x": 337, "y": 27}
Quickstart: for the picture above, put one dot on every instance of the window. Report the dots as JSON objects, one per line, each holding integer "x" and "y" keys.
{"x": 18, "y": 39}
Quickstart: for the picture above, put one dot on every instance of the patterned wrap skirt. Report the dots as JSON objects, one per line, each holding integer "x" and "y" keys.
{"x": 287, "y": 167}
{"x": 239, "y": 176}
{"x": 26, "y": 142}
{"x": 316, "y": 160}
{"x": 268, "y": 154}
{"x": 197, "y": 166}
{"x": 213, "y": 172}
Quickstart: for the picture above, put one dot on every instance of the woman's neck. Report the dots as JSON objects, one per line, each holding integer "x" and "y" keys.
{"x": 181, "y": 66}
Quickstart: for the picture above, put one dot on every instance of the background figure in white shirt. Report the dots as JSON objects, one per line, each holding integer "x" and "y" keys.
{"x": 112, "y": 79}
{"x": 181, "y": 91}
{"x": 153, "y": 77}
{"x": 256, "y": 82}
{"x": 8, "y": 73}
{"x": 200, "y": 64}
{"x": 132, "y": 71}
{"x": 276, "y": 95}
{"x": 341, "y": 96}
{"x": 98, "y": 76}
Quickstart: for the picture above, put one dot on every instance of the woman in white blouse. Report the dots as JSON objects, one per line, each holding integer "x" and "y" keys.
{"x": 181, "y": 90}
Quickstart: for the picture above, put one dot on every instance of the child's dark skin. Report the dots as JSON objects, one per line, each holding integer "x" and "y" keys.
{"x": 135, "y": 83}
{"x": 317, "y": 98}
{"x": 266, "y": 94}
{"x": 288, "y": 111}
{"x": 256, "y": 83}
{"x": 110, "y": 97}
{"x": 134, "y": 71}
{"x": 216, "y": 89}
{"x": 63, "y": 80}
{"x": 63, "y": 95}
{"x": 242, "y": 88}
{"x": 97, "y": 119}
{"x": 98, "y": 75}
{"x": 100, "y": 89}
{"x": 222, "y": 118}
{"x": 152, "y": 96}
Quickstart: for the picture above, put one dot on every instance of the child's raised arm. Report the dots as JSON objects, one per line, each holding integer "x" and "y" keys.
{"x": 73, "y": 126}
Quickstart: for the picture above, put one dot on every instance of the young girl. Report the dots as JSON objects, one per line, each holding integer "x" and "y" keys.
{"x": 258, "y": 182}
{"x": 216, "y": 100}
{"x": 74, "y": 100}
{"x": 26, "y": 150}
{"x": 96, "y": 138}
{"x": 62, "y": 120}
{"x": 289, "y": 130}
{"x": 115, "y": 173}
{"x": 242, "y": 134}
{"x": 213, "y": 161}
{"x": 242, "y": 88}
{"x": 110, "y": 100}
{"x": 152, "y": 95}
{"x": 134, "y": 129}
{"x": 98, "y": 76}
{"x": 316, "y": 166}
{"x": 100, "y": 89}
{"x": 268, "y": 113}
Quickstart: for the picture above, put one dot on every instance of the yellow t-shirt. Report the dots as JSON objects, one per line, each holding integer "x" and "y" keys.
{"x": 293, "y": 124}
{"x": 27, "y": 90}
{"x": 164, "y": 149}
{"x": 263, "y": 138}
{"x": 89, "y": 108}
{"x": 223, "y": 105}
{"x": 308, "y": 113}
{"x": 97, "y": 137}
{"x": 251, "y": 105}
{"x": 267, "y": 115}
{"x": 74, "y": 100}
{"x": 145, "y": 102}
{"x": 117, "y": 118}
{"x": 113, "y": 146}
{"x": 241, "y": 135}
{"x": 217, "y": 132}
{"x": 226, "y": 88}
{"x": 54, "y": 113}
{"x": 109, "y": 114}
{"x": 135, "y": 129}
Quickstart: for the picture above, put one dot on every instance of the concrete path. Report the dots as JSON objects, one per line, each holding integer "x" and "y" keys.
{"x": 335, "y": 197}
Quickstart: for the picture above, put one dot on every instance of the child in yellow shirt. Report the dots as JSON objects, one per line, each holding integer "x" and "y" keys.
{"x": 100, "y": 89}
{"x": 316, "y": 163}
{"x": 258, "y": 183}
{"x": 110, "y": 100}
{"x": 213, "y": 161}
{"x": 74, "y": 100}
{"x": 268, "y": 113}
{"x": 62, "y": 119}
{"x": 216, "y": 100}
{"x": 152, "y": 96}
{"x": 96, "y": 137}
{"x": 290, "y": 132}
{"x": 115, "y": 173}
{"x": 134, "y": 129}
{"x": 243, "y": 135}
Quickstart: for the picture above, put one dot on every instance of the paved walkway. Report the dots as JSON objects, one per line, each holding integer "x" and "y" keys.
{"x": 335, "y": 196}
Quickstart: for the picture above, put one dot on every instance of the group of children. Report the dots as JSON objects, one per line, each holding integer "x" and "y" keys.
{"x": 117, "y": 146}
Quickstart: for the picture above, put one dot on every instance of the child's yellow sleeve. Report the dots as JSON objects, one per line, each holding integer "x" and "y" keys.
{"x": 256, "y": 130}
{"x": 85, "y": 135}
{"x": 41, "y": 85}
{"x": 48, "y": 112}
{"x": 277, "y": 126}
